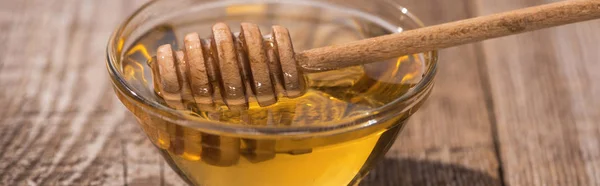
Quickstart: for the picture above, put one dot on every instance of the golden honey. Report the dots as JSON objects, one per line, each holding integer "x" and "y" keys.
{"x": 210, "y": 158}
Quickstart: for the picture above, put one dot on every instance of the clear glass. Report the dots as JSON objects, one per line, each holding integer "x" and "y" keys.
{"x": 335, "y": 145}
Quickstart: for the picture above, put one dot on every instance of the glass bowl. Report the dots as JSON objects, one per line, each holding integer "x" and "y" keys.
{"x": 334, "y": 151}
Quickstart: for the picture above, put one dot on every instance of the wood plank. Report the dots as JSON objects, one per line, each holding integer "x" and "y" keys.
{"x": 545, "y": 87}
{"x": 449, "y": 141}
{"x": 55, "y": 129}
{"x": 60, "y": 122}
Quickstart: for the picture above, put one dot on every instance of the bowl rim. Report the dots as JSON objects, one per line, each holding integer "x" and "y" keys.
{"x": 333, "y": 127}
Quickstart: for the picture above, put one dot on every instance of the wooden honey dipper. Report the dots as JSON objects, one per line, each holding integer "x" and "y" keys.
{"x": 246, "y": 67}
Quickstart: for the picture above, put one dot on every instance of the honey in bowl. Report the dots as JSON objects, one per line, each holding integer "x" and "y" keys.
{"x": 220, "y": 158}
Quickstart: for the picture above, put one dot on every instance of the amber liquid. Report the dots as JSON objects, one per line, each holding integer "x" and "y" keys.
{"x": 221, "y": 159}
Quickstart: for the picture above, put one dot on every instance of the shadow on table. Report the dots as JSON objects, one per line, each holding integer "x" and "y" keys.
{"x": 402, "y": 172}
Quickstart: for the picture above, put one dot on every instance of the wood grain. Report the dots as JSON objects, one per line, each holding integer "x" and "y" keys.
{"x": 544, "y": 86}
{"x": 53, "y": 128}
{"x": 60, "y": 123}
{"x": 449, "y": 141}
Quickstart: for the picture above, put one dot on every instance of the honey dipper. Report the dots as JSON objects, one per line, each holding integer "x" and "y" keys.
{"x": 246, "y": 67}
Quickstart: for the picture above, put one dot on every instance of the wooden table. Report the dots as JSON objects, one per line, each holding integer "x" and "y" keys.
{"x": 520, "y": 110}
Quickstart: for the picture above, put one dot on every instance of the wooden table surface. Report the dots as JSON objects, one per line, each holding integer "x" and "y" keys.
{"x": 520, "y": 110}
